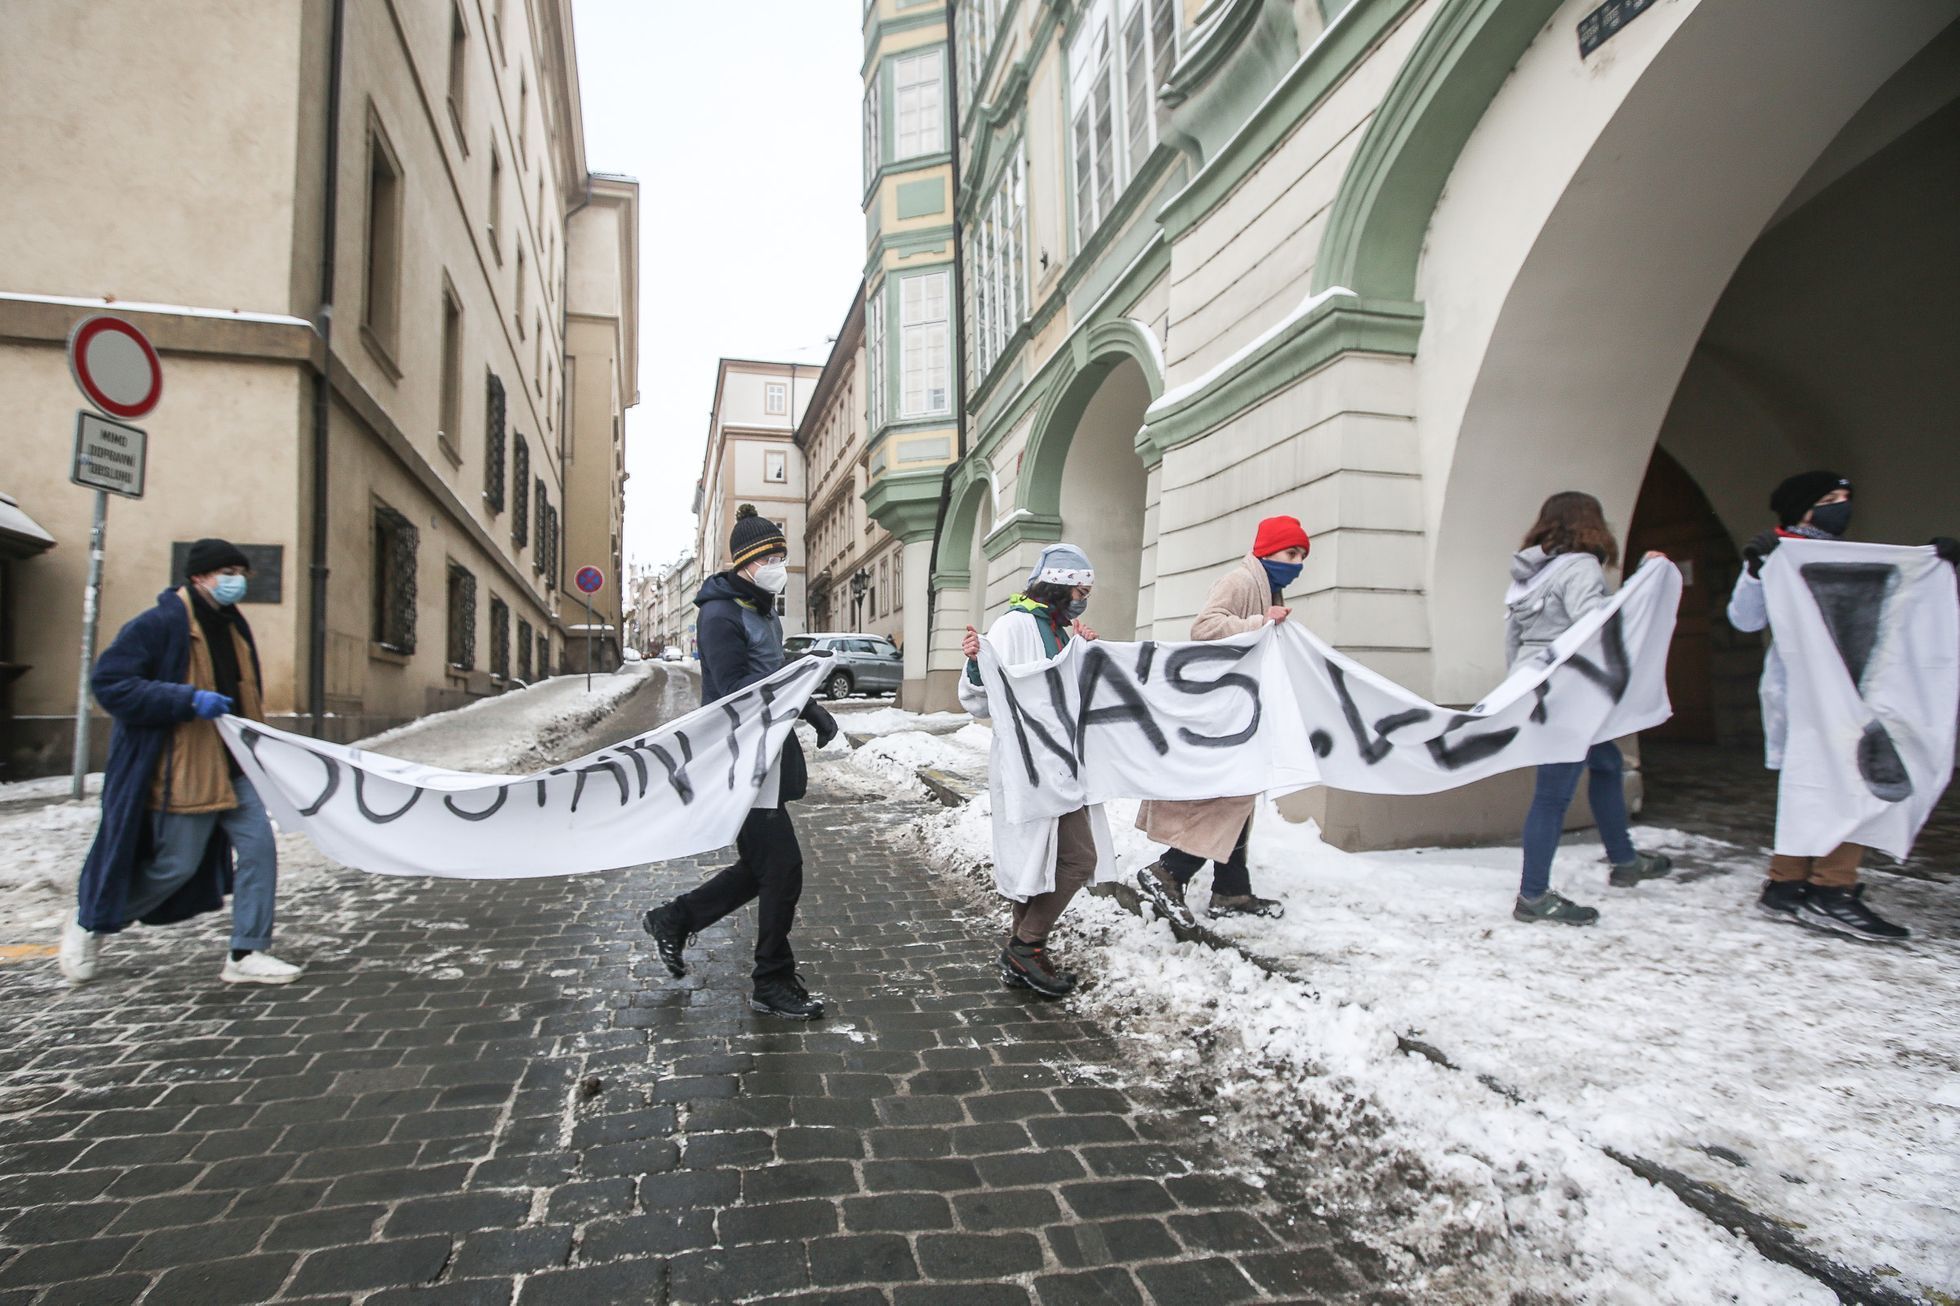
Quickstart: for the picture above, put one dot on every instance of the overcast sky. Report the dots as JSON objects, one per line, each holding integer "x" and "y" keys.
{"x": 741, "y": 123}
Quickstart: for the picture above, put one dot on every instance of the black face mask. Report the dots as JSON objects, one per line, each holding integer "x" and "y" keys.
{"x": 1832, "y": 518}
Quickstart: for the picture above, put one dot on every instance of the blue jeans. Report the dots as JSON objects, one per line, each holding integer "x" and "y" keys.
{"x": 1557, "y": 782}
{"x": 181, "y": 839}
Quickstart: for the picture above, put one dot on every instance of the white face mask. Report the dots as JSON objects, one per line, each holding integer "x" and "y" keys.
{"x": 773, "y": 576}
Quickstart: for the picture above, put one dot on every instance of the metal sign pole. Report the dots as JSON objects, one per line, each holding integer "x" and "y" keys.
{"x": 91, "y": 609}
{"x": 588, "y": 643}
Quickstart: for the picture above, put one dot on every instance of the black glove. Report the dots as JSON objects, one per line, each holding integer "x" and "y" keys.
{"x": 1948, "y": 548}
{"x": 824, "y": 723}
{"x": 1759, "y": 548}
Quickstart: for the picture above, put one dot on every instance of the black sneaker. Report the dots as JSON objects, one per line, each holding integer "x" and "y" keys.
{"x": 1166, "y": 895}
{"x": 1844, "y": 911}
{"x": 1781, "y": 899}
{"x": 1553, "y": 907}
{"x": 1009, "y": 976}
{"x": 670, "y": 937}
{"x": 1644, "y": 866}
{"x": 785, "y": 996}
{"x": 1244, "y": 904}
{"x": 1031, "y": 962}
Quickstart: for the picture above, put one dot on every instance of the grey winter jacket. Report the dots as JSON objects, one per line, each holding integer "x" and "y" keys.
{"x": 1548, "y": 593}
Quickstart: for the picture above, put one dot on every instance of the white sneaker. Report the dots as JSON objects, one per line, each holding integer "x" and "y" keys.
{"x": 78, "y": 952}
{"x": 258, "y": 968}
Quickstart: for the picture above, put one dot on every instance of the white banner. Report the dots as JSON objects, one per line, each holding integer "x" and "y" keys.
{"x": 1869, "y": 635}
{"x": 674, "y": 792}
{"x": 1278, "y": 710}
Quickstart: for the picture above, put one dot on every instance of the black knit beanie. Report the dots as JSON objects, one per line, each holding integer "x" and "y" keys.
{"x": 211, "y": 555}
{"x": 753, "y": 536}
{"x": 1799, "y": 494}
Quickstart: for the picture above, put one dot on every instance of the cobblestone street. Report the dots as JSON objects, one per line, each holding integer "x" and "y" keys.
{"x": 490, "y": 1091}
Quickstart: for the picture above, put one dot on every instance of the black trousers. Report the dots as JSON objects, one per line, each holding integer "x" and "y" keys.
{"x": 768, "y": 871}
{"x": 1230, "y": 878}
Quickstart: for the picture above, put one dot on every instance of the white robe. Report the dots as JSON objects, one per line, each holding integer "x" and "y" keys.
{"x": 1024, "y": 851}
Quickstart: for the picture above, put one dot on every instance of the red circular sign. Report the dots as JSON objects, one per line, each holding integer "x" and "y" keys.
{"x": 116, "y": 366}
{"x": 589, "y": 579}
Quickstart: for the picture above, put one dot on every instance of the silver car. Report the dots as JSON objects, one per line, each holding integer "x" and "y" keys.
{"x": 858, "y": 664}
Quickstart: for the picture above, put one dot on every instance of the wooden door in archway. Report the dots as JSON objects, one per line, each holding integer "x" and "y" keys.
{"x": 1673, "y": 516}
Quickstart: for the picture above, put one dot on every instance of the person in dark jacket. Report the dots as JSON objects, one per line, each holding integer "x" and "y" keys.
{"x": 741, "y": 641}
{"x": 181, "y": 824}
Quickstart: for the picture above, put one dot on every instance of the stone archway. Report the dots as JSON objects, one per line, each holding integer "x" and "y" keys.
{"x": 1564, "y": 304}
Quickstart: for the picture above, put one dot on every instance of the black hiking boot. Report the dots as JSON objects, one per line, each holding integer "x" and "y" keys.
{"x": 1244, "y": 904}
{"x": 1844, "y": 911}
{"x": 1032, "y": 964}
{"x": 1644, "y": 866}
{"x": 1553, "y": 907}
{"x": 1009, "y": 976}
{"x": 1166, "y": 895}
{"x": 1782, "y": 899}
{"x": 670, "y": 937}
{"x": 785, "y": 996}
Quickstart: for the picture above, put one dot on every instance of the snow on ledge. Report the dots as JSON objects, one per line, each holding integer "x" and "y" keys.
{"x": 174, "y": 310}
{"x": 1306, "y": 308}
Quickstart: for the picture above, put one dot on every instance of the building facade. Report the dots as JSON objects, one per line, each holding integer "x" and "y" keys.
{"x": 355, "y": 250}
{"x": 752, "y": 458}
{"x": 911, "y": 296}
{"x": 1402, "y": 268}
{"x": 857, "y": 567}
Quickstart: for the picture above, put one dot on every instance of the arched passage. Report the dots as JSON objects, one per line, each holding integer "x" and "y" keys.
{"x": 1552, "y": 362}
{"x": 1081, "y": 468}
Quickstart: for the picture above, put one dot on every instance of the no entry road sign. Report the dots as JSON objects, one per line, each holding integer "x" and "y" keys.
{"x": 115, "y": 366}
{"x": 590, "y": 579}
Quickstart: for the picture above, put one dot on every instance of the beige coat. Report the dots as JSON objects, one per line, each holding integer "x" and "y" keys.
{"x": 1209, "y": 827}
{"x": 195, "y": 776}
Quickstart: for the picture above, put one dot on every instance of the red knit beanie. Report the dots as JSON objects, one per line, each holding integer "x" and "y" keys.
{"x": 1276, "y": 533}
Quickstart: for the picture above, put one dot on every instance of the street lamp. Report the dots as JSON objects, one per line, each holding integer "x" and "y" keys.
{"x": 860, "y": 582}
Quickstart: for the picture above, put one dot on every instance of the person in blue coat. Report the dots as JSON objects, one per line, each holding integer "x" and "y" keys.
{"x": 181, "y": 826}
{"x": 741, "y": 641}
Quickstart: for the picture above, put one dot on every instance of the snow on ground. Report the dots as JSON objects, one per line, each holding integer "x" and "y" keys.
{"x": 1470, "y": 1195}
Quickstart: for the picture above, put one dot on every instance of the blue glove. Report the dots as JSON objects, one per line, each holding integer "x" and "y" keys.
{"x": 208, "y": 704}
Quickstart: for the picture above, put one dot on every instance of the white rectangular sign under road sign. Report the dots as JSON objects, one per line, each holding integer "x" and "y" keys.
{"x": 109, "y": 456}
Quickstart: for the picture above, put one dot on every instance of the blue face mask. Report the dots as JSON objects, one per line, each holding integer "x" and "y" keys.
{"x": 1075, "y": 609}
{"x": 228, "y": 590}
{"x": 1281, "y": 574}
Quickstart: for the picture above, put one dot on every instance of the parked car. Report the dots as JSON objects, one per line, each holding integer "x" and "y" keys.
{"x": 860, "y": 664}
{"x": 670, "y": 654}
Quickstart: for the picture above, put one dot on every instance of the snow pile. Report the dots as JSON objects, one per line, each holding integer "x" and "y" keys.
{"x": 898, "y": 758}
{"x": 516, "y": 732}
{"x": 1470, "y": 1196}
{"x": 891, "y": 720}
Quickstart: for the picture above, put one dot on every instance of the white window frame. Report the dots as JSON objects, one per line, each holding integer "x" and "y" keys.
{"x": 874, "y": 143}
{"x": 978, "y": 26}
{"x": 775, "y": 398}
{"x": 925, "y": 368}
{"x": 1123, "y": 51}
{"x": 875, "y": 386}
{"x": 998, "y": 267}
{"x": 919, "y": 104}
{"x": 775, "y": 466}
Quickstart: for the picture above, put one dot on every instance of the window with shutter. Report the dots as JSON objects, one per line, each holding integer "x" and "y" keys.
{"x": 499, "y": 638}
{"x": 493, "y": 443}
{"x": 520, "y": 480}
{"x": 394, "y": 543}
{"x": 462, "y": 618}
